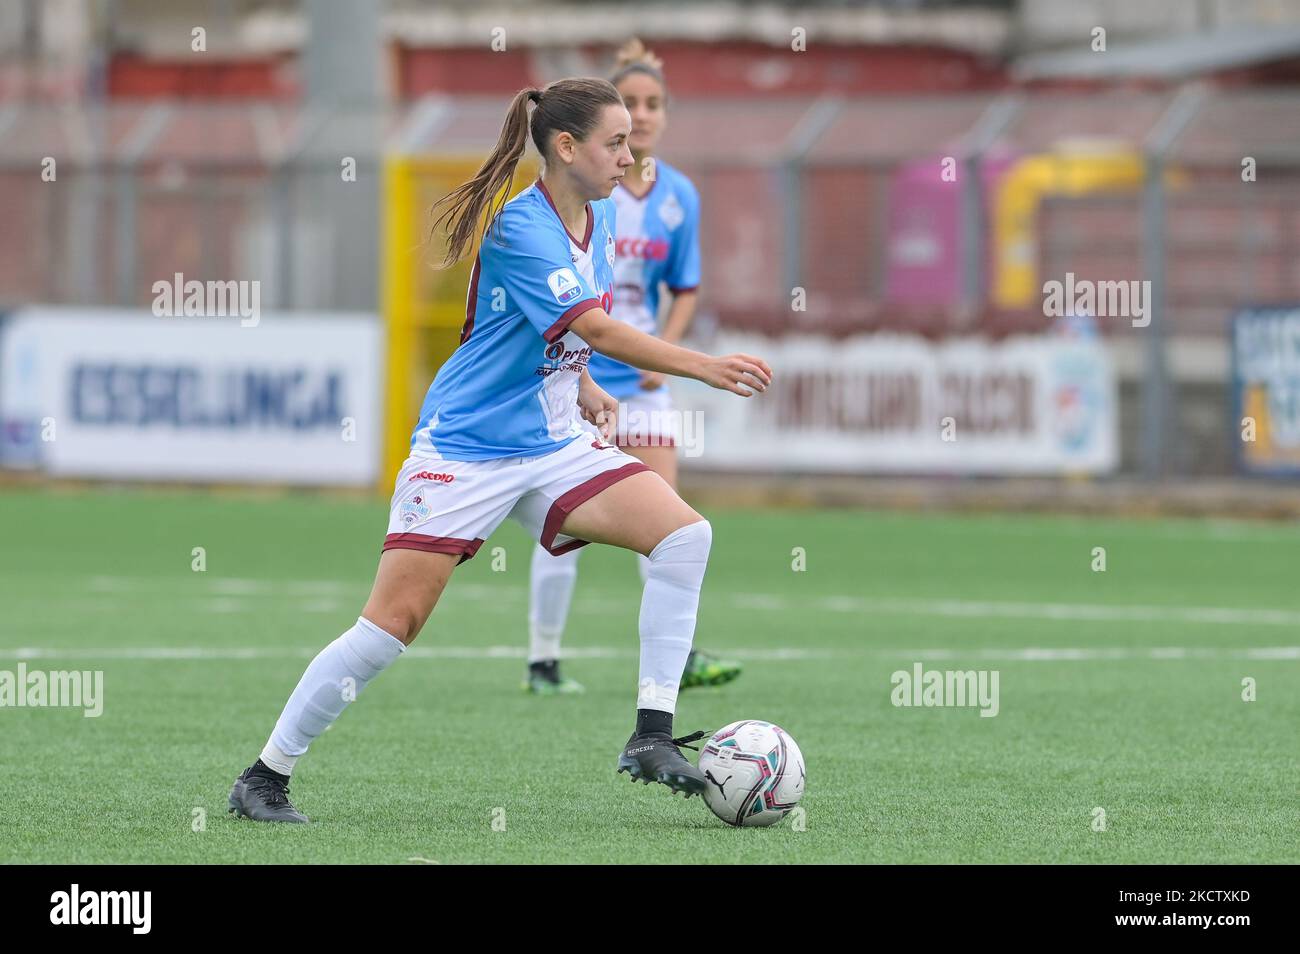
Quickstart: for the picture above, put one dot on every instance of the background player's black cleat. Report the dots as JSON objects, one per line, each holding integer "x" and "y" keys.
{"x": 263, "y": 798}
{"x": 655, "y": 757}
{"x": 544, "y": 679}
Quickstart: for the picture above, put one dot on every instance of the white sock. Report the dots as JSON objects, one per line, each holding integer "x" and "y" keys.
{"x": 668, "y": 606}
{"x": 550, "y": 583}
{"x": 333, "y": 679}
{"x": 643, "y": 567}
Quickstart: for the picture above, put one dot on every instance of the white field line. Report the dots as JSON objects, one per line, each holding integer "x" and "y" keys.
{"x": 1028, "y": 654}
{"x": 1004, "y": 609}
{"x": 330, "y": 595}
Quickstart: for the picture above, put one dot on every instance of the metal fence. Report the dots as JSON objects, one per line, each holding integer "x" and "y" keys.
{"x": 797, "y": 193}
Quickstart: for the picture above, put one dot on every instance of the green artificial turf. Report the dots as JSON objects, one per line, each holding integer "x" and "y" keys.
{"x": 1146, "y": 721}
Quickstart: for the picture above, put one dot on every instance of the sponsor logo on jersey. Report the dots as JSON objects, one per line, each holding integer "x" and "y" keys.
{"x": 653, "y": 250}
{"x": 564, "y": 285}
{"x": 629, "y": 295}
{"x": 670, "y": 212}
{"x": 574, "y": 359}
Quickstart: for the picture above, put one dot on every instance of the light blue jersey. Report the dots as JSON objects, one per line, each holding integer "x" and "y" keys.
{"x": 658, "y": 241}
{"x": 511, "y": 388}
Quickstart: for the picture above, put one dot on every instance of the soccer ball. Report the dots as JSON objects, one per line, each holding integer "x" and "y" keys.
{"x": 755, "y": 773}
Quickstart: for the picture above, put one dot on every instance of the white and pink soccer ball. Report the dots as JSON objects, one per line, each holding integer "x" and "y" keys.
{"x": 755, "y": 773}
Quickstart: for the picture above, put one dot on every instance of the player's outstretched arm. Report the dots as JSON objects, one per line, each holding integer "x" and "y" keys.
{"x": 741, "y": 374}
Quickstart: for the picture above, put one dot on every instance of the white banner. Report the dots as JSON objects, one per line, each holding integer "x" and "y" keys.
{"x": 887, "y": 403}
{"x": 120, "y": 393}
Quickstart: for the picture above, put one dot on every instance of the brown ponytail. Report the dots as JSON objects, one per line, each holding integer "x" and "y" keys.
{"x": 463, "y": 207}
{"x": 567, "y": 105}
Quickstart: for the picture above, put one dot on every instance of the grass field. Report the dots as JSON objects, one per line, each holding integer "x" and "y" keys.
{"x": 1119, "y": 689}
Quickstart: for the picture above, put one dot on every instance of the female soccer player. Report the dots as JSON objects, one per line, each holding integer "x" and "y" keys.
{"x": 657, "y": 241}
{"x": 500, "y": 435}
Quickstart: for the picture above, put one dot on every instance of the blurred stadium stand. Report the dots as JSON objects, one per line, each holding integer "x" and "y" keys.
{"x": 218, "y": 167}
{"x": 145, "y": 169}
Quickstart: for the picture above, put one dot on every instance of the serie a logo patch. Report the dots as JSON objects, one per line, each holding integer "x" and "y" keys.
{"x": 564, "y": 285}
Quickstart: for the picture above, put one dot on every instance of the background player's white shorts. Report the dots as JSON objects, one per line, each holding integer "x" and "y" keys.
{"x": 452, "y": 506}
{"x": 647, "y": 419}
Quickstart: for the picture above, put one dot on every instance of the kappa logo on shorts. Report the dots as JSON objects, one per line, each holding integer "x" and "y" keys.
{"x": 428, "y": 475}
{"x": 564, "y": 285}
{"x": 599, "y": 446}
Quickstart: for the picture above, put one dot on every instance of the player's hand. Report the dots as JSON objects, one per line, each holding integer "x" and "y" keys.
{"x": 598, "y": 407}
{"x": 741, "y": 374}
{"x": 651, "y": 380}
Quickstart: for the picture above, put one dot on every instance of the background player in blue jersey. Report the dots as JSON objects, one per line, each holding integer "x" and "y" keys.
{"x": 499, "y": 436}
{"x": 657, "y": 243}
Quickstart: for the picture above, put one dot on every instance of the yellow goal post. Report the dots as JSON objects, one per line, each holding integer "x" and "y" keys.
{"x": 422, "y": 306}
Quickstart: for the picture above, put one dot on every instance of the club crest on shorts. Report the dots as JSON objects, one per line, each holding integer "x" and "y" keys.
{"x": 413, "y": 511}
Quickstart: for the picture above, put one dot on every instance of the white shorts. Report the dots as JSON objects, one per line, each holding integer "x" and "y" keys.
{"x": 452, "y": 506}
{"x": 647, "y": 419}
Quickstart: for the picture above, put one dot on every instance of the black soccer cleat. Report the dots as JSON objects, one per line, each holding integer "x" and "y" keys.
{"x": 544, "y": 679}
{"x": 654, "y": 757}
{"x": 262, "y": 798}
